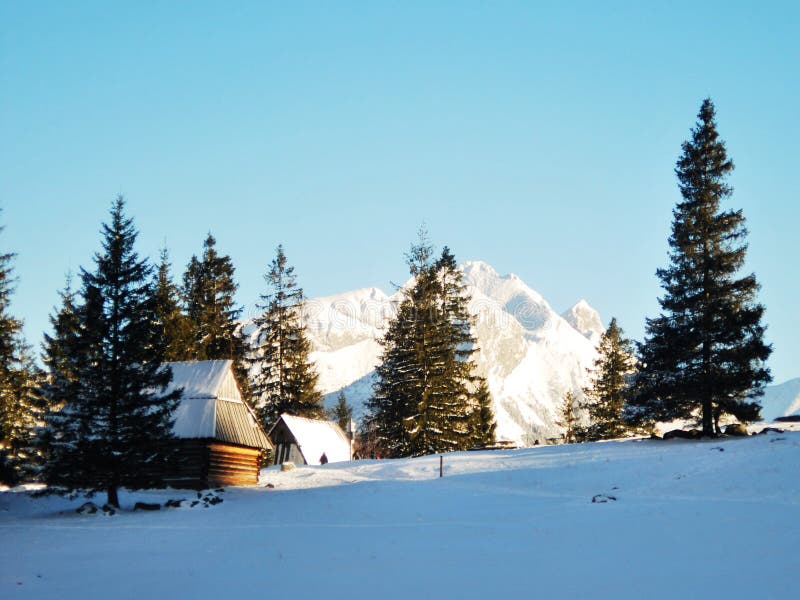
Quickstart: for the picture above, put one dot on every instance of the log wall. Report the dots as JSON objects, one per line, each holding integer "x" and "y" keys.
{"x": 200, "y": 464}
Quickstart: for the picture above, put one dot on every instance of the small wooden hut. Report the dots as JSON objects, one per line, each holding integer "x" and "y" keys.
{"x": 219, "y": 439}
{"x": 308, "y": 441}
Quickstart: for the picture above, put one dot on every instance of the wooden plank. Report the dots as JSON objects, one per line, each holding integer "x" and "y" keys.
{"x": 228, "y": 480}
{"x": 248, "y": 464}
{"x": 215, "y": 446}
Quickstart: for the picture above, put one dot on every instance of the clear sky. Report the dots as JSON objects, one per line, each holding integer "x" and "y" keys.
{"x": 540, "y": 137}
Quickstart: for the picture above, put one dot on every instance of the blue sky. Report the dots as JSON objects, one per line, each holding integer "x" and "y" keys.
{"x": 539, "y": 137}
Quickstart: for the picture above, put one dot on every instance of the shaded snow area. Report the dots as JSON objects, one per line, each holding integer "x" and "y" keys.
{"x": 712, "y": 519}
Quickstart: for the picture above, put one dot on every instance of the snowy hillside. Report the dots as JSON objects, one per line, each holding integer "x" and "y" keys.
{"x": 504, "y": 524}
{"x": 781, "y": 400}
{"x": 530, "y": 354}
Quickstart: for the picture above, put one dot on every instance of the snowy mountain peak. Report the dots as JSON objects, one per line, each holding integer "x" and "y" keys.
{"x": 530, "y": 356}
{"x": 586, "y": 320}
{"x": 524, "y": 304}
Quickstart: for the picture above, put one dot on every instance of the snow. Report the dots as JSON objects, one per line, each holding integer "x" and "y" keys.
{"x": 339, "y": 368}
{"x": 712, "y": 519}
{"x": 315, "y": 438}
{"x": 199, "y": 379}
{"x": 781, "y": 400}
{"x": 195, "y": 418}
{"x": 586, "y": 320}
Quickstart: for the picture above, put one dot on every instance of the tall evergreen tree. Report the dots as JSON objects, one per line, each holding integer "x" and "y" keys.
{"x": 482, "y": 423}
{"x": 209, "y": 289}
{"x": 10, "y": 327}
{"x": 605, "y": 397}
{"x": 105, "y": 374}
{"x": 284, "y": 378}
{"x": 427, "y": 398}
{"x": 342, "y": 412}
{"x": 22, "y": 411}
{"x": 568, "y": 419}
{"x": 468, "y": 394}
{"x": 18, "y": 406}
{"x": 398, "y": 375}
{"x": 173, "y": 326}
{"x": 704, "y": 355}
{"x": 64, "y": 353}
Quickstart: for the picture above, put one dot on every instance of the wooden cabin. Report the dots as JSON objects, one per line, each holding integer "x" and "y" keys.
{"x": 308, "y": 441}
{"x": 219, "y": 439}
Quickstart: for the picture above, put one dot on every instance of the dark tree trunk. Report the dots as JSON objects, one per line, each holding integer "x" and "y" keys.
{"x": 112, "y": 499}
{"x": 708, "y": 421}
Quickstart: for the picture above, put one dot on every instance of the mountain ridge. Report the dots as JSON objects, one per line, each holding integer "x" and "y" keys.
{"x": 530, "y": 355}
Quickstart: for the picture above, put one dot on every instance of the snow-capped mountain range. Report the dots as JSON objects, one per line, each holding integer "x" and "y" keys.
{"x": 530, "y": 355}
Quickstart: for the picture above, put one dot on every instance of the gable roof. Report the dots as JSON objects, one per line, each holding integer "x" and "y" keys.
{"x": 211, "y": 405}
{"x": 204, "y": 379}
{"x": 315, "y": 438}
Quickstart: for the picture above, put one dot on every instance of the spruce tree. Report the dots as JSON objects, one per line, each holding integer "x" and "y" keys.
{"x": 568, "y": 419}
{"x": 173, "y": 326}
{"x": 482, "y": 423}
{"x": 105, "y": 373}
{"x": 63, "y": 354}
{"x": 390, "y": 418}
{"x": 704, "y": 356}
{"x": 605, "y": 397}
{"x": 469, "y": 394}
{"x": 342, "y": 412}
{"x": 22, "y": 411}
{"x": 209, "y": 289}
{"x": 19, "y": 407}
{"x": 284, "y": 378}
{"x": 438, "y": 415}
{"x": 427, "y": 397}
{"x": 10, "y": 327}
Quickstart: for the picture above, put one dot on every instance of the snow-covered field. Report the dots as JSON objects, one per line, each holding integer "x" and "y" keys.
{"x": 718, "y": 519}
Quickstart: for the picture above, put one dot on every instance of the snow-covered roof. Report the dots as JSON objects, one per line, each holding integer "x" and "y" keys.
{"x": 211, "y": 405}
{"x": 202, "y": 378}
{"x": 315, "y": 438}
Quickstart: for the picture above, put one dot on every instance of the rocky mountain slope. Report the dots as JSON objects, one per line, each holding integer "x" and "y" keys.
{"x": 530, "y": 355}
